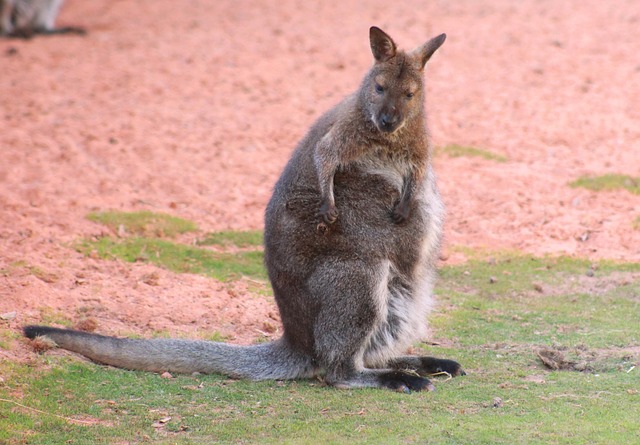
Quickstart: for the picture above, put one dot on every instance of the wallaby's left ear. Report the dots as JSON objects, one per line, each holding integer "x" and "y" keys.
{"x": 424, "y": 52}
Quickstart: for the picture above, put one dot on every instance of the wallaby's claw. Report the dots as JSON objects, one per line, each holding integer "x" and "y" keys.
{"x": 330, "y": 217}
{"x": 400, "y": 213}
{"x": 328, "y": 213}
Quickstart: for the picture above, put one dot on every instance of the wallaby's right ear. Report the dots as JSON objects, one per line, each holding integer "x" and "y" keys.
{"x": 382, "y": 46}
{"x": 424, "y": 52}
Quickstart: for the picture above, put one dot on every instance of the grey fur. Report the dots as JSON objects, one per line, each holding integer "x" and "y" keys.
{"x": 353, "y": 291}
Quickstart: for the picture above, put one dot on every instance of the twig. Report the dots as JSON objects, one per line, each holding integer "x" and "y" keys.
{"x": 68, "y": 419}
{"x": 449, "y": 376}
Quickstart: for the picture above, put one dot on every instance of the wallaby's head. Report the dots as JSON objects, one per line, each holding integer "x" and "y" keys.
{"x": 392, "y": 92}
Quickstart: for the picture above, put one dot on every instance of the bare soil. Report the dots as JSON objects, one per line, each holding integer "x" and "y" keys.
{"x": 192, "y": 108}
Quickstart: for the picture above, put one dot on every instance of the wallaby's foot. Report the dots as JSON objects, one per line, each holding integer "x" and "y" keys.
{"x": 396, "y": 380}
{"x": 28, "y": 33}
{"x": 404, "y": 382}
{"x": 401, "y": 211}
{"x": 428, "y": 365}
{"x": 21, "y": 34}
{"x": 328, "y": 212}
{"x": 436, "y": 365}
{"x": 67, "y": 30}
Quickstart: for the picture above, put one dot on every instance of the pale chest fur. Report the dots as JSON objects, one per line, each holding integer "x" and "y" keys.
{"x": 392, "y": 165}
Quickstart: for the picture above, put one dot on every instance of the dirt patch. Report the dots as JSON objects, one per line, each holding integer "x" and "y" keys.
{"x": 585, "y": 359}
{"x": 590, "y": 283}
{"x": 555, "y": 360}
{"x": 193, "y": 109}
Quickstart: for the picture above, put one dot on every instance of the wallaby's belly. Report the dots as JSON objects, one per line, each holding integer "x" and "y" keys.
{"x": 363, "y": 234}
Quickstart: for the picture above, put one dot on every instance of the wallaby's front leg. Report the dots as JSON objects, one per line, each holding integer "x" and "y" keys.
{"x": 326, "y": 161}
{"x": 328, "y": 211}
{"x": 402, "y": 209}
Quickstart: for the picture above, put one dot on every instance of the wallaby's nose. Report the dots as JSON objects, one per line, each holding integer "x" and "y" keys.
{"x": 388, "y": 121}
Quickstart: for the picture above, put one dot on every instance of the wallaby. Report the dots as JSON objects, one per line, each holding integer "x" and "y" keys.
{"x": 24, "y": 18}
{"x": 353, "y": 297}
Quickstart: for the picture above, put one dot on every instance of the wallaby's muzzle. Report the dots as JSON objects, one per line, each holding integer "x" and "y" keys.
{"x": 388, "y": 122}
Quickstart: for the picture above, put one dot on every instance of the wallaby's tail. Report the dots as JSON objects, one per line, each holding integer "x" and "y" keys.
{"x": 274, "y": 360}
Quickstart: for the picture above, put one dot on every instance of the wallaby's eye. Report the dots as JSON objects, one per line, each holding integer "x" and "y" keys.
{"x": 409, "y": 95}
{"x": 379, "y": 89}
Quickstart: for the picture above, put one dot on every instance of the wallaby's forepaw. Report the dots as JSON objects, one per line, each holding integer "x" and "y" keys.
{"x": 328, "y": 213}
{"x": 401, "y": 381}
{"x": 401, "y": 212}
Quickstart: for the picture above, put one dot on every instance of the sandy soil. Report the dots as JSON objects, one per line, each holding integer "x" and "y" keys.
{"x": 192, "y": 108}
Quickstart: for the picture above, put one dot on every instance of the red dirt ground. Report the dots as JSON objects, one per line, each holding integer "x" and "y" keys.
{"x": 192, "y": 108}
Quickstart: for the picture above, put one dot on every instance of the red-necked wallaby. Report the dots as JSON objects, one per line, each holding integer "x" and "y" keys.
{"x": 354, "y": 296}
{"x": 24, "y": 18}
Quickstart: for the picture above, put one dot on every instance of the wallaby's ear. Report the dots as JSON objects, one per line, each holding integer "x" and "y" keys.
{"x": 382, "y": 46}
{"x": 424, "y": 52}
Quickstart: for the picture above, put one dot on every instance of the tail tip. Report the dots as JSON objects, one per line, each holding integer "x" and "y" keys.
{"x": 33, "y": 331}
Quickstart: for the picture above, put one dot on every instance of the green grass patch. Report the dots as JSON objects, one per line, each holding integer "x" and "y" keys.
{"x": 245, "y": 239}
{"x": 144, "y": 223}
{"x": 636, "y": 223}
{"x": 179, "y": 257}
{"x": 610, "y": 181}
{"x": 25, "y": 267}
{"x": 495, "y": 313}
{"x": 456, "y": 151}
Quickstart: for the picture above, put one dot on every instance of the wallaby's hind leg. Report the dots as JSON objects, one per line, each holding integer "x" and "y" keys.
{"x": 427, "y": 365}
{"x": 350, "y": 311}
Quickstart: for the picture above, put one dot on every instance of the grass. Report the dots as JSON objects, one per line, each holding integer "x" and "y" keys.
{"x": 179, "y": 257}
{"x": 610, "y": 181}
{"x": 456, "y": 151}
{"x": 494, "y": 327}
{"x": 636, "y": 223}
{"x": 252, "y": 238}
{"x": 148, "y": 246}
{"x": 144, "y": 223}
{"x": 36, "y": 271}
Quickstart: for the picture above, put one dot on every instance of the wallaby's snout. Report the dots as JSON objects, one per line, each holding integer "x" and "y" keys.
{"x": 389, "y": 120}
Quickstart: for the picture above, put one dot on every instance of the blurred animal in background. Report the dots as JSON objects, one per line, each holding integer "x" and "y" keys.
{"x": 25, "y": 18}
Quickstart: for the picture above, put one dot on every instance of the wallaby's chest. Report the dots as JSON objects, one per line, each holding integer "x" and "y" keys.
{"x": 391, "y": 164}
